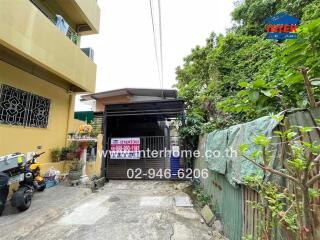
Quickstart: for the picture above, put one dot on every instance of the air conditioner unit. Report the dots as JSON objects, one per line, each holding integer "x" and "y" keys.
{"x": 89, "y": 52}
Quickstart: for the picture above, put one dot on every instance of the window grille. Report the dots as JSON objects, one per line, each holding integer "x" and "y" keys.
{"x": 18, "y": 107}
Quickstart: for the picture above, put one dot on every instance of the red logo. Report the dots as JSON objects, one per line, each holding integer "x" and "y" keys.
{"x": 285, "y": 28}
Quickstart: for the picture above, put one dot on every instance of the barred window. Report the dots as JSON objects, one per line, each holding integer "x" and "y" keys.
{"x": 18, "y": 107}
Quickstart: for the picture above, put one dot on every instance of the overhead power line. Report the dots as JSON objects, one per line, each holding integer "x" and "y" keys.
{"x": 159, "y": 62}
{"x": 155, "y": 40}
{"x": 161, "y": 53}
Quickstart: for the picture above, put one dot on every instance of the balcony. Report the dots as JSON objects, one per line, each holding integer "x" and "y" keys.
{"x": 85, "y": 13}
{"x": 30, "y": 41}
{"x": 82, "y": 15}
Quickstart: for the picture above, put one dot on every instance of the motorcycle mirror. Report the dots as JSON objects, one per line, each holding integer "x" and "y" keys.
{"x": 39, "y": 147}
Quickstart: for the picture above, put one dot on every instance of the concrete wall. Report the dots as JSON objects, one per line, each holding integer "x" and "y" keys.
{"x": 21, "y": 139}
{"x": 74, "y": 125}
{"x": 91, "y": 12}
{"x": 25, "y": 139}
{"x": 32, "y": 35}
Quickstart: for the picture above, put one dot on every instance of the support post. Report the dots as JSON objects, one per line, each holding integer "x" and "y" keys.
{"x": 84, "y": 178}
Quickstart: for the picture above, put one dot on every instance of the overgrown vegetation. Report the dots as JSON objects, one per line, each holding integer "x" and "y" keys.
{"x": 242, "y": 76}
{"x": 201, "y": 197}
{"x": 289, "y": 206}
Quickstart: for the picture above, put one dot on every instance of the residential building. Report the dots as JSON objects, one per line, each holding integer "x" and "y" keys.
{"x": 137, "y": 118}
{"x": 42, "y": 68}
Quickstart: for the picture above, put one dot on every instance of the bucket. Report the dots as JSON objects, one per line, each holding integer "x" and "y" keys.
{"x": 174, "y": 166}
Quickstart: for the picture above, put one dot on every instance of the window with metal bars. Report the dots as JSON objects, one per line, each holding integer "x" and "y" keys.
{"x": 18, "y": 107}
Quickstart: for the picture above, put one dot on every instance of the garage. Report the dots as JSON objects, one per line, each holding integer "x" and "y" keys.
{"x": 136, "y": 123}
{"x": 147, "y": 127}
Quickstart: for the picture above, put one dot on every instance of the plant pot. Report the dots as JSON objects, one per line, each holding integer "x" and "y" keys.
{"x": 74, "y": 175}
{"x": 70, "y": 156}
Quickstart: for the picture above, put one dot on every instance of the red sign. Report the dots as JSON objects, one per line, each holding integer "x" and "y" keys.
{"x": 125, "y": 148}
{"x": 282, "y": 28}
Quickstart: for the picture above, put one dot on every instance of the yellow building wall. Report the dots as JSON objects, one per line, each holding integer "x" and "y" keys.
{"x": 27, "y": 32}
{"x": 26, "y": 139}
{"x": 75, "y": 124}
{"x": 21, "y": 139}
{"x": 92, "y": 11}
{"x": 98, "y": 163}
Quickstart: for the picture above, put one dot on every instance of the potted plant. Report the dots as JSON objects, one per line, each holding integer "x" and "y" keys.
{"x": 85, "y": 130}
{"x": 71, "y": 135}
{"x": 55, "y": 154}
{"x": 96, "y": 129}
{"x": 72, "y": 151}
{"x": 64, "y": 153}
{"x": 75, "y": 171}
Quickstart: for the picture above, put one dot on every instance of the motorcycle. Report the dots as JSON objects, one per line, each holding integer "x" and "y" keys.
{"x": 4, "y": 190}
{"x": 31, "y": 182}
{"x": 28, "y": 175}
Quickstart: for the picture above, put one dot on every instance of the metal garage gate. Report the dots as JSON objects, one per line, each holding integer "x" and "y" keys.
{"x": 156, "y": 111}
{"x": 117, "y": 168}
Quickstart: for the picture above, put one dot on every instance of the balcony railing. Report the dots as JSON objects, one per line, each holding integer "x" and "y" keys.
{"x": 71, "y": 34}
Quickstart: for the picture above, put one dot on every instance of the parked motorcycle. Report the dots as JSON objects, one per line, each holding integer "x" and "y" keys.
{"x": 4, "y": 190}
{"x": 27, "y": 173}
{"x": 32, "y": 182}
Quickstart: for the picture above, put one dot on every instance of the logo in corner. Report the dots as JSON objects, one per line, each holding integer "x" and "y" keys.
{"x": 281, "y": 26}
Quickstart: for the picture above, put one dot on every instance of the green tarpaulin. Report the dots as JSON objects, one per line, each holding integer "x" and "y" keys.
{"x": 227, "y": 142}
{"x": 86, "y": 116}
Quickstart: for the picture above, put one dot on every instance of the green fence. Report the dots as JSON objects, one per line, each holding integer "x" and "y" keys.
{"x": 230, "y": 199}
{"x": 226, "y": 199}
{"x": 227, "y": 202}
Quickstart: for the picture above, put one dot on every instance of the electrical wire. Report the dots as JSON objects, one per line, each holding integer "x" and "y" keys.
{"x": 161, "y": 52}
{"x": 155, "y": 41}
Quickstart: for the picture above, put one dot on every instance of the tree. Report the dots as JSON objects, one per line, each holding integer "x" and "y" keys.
{"x": 290, "y": 78}
{"x": 251, "y": 14}
{"x": 239, "y": 77}
{"x": 303, "y": 158}
{"x": 302, "y": 59}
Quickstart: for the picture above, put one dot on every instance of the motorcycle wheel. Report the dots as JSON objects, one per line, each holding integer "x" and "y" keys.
{"x": 1, "y": 208}
{"x": 22, "y": 199}
{"x": 3, "y": 198}
{"x": 4, "y": 190}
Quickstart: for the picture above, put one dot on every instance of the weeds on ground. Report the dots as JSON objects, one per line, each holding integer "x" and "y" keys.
{"x": 201, "y": 197}
{"x": 248, "y": 237}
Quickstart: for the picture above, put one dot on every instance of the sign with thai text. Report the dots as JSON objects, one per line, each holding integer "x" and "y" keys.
{"x": 125, "y": 148}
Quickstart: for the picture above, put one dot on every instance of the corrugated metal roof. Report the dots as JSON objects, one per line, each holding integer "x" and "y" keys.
{"x": 167, "y": 93}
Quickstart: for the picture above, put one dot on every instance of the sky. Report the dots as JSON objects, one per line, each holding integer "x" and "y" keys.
{"x": 124, "y": 48}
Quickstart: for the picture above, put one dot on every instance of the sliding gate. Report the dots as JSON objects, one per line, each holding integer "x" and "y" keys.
{"x": 154, "y": 161}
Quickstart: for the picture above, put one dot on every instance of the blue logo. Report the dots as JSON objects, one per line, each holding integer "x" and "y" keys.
{"x": 281, "y": 26}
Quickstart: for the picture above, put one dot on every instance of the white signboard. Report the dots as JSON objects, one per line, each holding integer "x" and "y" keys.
{"x": 125, "y": 148}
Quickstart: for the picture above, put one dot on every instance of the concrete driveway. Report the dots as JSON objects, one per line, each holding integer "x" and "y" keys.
{"x": 121, "y": 210}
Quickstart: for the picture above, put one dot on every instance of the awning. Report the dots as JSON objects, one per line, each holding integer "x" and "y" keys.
{"x": 163, "y": 109}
